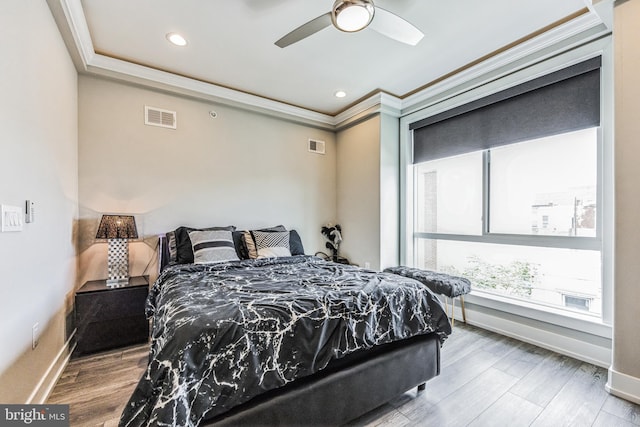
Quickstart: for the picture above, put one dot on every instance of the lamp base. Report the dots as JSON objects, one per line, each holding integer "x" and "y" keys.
{"x": 117, "y": 283}
{"x": 118, "y": 263}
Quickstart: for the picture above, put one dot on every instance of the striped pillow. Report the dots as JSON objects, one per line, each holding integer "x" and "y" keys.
{"x": 212, "y": 246}
{"x": 250, "y": 242}
{"x": 271, "y": 244}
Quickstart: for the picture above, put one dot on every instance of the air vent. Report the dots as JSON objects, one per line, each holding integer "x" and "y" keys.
{"x": 316, "y": 146}
{"x": 158, "y": 117}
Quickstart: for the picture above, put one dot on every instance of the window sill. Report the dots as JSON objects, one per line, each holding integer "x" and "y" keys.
{"x": 580, "y": 322}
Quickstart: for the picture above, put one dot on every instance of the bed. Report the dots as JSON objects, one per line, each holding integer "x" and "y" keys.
{"x": 282, "y": 340}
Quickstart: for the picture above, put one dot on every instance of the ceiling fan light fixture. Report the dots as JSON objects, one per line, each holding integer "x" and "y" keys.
{"x": 352, "y": 15}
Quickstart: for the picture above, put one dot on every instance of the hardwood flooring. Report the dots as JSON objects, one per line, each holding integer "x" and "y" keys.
{"x": 486, "y": 380}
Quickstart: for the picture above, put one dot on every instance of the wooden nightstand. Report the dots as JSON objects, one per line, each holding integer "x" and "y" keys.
{"x": 111, "y": 317}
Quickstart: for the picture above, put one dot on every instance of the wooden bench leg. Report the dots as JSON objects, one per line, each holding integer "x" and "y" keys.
{"x": 464, "y": 315}
{"x": 453, "y": 311}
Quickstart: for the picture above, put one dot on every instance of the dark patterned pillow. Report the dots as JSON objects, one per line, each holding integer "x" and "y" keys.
{"x": 184, "y": 249}
{"x": 212, "y": 246}
{"x": 238, "y": 242}
{"x": 295, "y": 243}
{"x": 250, "y": 244}
{"x": 271, "y": 244}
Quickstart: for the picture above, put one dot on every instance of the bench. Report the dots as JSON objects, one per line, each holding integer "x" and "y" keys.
{"x": 439, "y": 283}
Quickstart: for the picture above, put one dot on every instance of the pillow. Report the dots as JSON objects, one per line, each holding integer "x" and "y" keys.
{"x": 171, "y": 245}
{"x": 295, "y": 243}
{"x": 238, "y": 242}
{"x": 184, "y": 249}
{"x": 249, "y": 241}
{"x": 212, "y": 246}
{"x": 274, "y": 252}
{"x": 271, "y": 243}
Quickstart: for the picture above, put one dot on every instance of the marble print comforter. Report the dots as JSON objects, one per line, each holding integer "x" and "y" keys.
{"x": 224, "y": 333}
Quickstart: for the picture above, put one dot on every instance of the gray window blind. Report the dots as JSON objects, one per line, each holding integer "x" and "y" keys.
{"x": 559, "y": 102}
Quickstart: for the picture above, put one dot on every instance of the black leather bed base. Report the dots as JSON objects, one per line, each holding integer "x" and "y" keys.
{"x": 343, "y": 391}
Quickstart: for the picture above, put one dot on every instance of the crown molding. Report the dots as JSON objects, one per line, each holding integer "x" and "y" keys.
{"x": 564, "y": 37}
{"x": 380, "y": 102}
{"x": 71, "y": 20}
{"x": 92, "y": 63}
{"x": 79, "y": 30}
{"x": 150, "y": 77}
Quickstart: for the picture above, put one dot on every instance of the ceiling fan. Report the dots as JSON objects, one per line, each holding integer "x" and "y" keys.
{"x": 355, "y": 15}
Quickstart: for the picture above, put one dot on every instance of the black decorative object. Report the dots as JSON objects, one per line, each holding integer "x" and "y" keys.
{"x": 333, "y": 233}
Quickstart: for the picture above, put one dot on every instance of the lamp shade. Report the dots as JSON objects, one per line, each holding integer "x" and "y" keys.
{"x": 117, "y": 227}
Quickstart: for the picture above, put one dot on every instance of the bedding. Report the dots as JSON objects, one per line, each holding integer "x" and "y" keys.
{"x": 227, "y": 332}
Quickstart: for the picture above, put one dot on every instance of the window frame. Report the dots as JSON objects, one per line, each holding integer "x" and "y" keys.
{"x": 603, "y": 241}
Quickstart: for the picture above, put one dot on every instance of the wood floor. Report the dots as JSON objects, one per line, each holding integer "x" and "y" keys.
{"x": 486, "y": 380}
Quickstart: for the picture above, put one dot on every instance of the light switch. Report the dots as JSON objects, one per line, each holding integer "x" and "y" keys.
{"x": 11, "y": 217}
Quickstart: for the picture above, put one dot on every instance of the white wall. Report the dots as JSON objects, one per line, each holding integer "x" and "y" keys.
{"x": 358, "y": 193}
{"x": 389, "y": 191}
{"x": 38, "y": 161}
{"x": 624, "y": 375}
{"x": 241, "y": 168}
{"x": 368, "y": 191}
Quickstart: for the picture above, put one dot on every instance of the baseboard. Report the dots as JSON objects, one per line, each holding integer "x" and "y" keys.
{"x": 48, "y": 381}
{"x": 623, "y": 386}
{"x": 555, "y": 339}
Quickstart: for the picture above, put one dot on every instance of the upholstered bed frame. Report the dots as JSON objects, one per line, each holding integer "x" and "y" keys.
{"x": 346, "y": 389}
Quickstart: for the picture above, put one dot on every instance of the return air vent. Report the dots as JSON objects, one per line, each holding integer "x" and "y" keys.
{"x": 316, "y": 146}
{"x": 158, "y": 117}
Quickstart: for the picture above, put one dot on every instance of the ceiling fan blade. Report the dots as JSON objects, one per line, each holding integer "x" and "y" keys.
{"x": 305, "y": 30}
{"x": 391, "y": 25}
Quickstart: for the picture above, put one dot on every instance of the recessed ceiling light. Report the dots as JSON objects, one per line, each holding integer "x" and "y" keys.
{"x": 176, "y": 39}
{"x": 340, "y": 94}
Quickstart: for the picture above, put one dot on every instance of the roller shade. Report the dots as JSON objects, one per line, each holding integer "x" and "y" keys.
{"x": 559, "y": 102}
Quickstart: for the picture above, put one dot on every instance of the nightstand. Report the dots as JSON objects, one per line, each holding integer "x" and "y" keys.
{"x": 111, "y": 317}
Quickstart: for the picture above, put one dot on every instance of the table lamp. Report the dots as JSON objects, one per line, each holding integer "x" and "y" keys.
{"x": 117, "y": 229}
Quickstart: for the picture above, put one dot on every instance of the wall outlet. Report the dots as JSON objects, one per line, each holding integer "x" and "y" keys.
{"x": 35, "y": 335}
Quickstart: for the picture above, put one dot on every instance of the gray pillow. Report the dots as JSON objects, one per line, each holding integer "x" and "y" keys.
{"x": 212, "y": 246}
{"x": 184, "y": 249}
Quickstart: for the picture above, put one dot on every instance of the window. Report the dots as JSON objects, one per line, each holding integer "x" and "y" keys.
{"x": 449, "y": 193}
{"x": 508, "y": 194}
{"x": 540, "y": 241}
{"x": 546, "y": 186}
